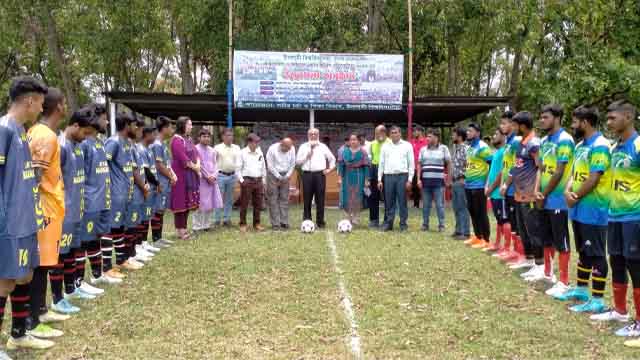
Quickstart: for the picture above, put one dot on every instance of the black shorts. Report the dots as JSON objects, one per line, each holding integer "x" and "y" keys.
{"x": 528, "y": 219}
{"x": 624, "y": 239}
{"x": 554, "y": 229}
{"x": 500, "y": 211}
{"x": 511, "y": 214}
{"x": 591, "y": 240}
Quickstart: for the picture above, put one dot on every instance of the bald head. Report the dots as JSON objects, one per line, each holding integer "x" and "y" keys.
{"x": 381, "y": 133}
{"x": 313, "y": 134}
{"x": 286, "y": 144}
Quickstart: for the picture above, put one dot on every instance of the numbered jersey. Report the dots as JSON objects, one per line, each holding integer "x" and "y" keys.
{"x": 624, "y": 193}
{"x": 18, "y": 182}
{"x": 138, "y": 156}
{"x": 592, "y": 155}
{"x": 97, "y": 186}
{"x": 72, "y": 164}
{"x": 118, "y": 151}
{"x": 556, "y": 149}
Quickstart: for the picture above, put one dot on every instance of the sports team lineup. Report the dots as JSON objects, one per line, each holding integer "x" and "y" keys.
{"x": 73, "y": 195}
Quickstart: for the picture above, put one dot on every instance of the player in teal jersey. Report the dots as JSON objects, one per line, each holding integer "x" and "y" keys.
{"x": 475, "y": 177}
{"x": 510, "y": 229}
{"x": 624, "y": 217}
{"x": 588, "y": 206}
{"x": 556, "y": 158}
{"x": 492, "y": 189}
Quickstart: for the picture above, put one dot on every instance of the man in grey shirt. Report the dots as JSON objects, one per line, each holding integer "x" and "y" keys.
{"x": 281, "y": 161}
{"x": 459, "y": 201}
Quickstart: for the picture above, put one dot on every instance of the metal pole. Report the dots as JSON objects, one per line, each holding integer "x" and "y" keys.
{"x": 230, "y": 80}
{"x": 410, "y": 102}
{"x": 312, "y": 119}
{"x": 112, "y": 117}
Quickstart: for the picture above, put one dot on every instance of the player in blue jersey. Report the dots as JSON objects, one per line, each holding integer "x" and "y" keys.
{"x": 97, "y": 197}
{"x": 72, "y": 164}
{"x": 19, "y": 195}
{"x": 166, "y": 178}
{"x": 151, "y": 177}
{"x": 119, "y": 160}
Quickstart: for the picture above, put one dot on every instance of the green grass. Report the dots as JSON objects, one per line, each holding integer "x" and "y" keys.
{"x": 274, "y": 296}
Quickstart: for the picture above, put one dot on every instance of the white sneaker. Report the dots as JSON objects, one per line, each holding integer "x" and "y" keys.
{"x": 528, "y": 273}
{"x": 52, "y": 317}
{"x": 140, "y": 250}
{"x": 550, "y": 279}
{"x": 148, "y": 247}
{"x": 4, "y": 355}
{"x": 557, "y": 289}
{"x": 537, "y": 275}
{"x": 136, "y": 262}
{"x": 28, "y": 342}
{"x": 91, "y": 289}
{"x": 610, "y": 315}
{"x": 106, "y": 280}
{"x": 523, "y": 264}
{"x": 161, "y": 244}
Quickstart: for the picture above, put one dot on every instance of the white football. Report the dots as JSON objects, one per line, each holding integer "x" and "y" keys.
{"x": 307, "y": 227}
{"x": 345, "y": 226}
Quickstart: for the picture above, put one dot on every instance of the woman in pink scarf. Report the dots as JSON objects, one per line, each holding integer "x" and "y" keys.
{"x": 210, "y": 197}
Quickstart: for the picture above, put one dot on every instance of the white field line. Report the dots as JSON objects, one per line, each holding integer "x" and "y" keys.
{"x": 353, "y": 339}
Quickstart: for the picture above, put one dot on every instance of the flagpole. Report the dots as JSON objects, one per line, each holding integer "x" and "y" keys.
{"x": 410, "y": 100}
{"x": 230, "y": 80}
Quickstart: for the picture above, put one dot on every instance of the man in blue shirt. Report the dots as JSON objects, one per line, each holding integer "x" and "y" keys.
{"x": 166, "y": 178}
{"x": 19, "y": 196}
{"x": 119, "y": 159}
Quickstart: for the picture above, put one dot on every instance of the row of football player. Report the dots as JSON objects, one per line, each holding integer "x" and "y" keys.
{"x": 69, "y": 198}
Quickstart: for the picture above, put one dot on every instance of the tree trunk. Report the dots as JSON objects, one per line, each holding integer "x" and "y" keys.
{"x": 452, "y": 67}
{"x": 57, "y": 56}
{"x": 373, "y": 22}
{"x": 184, "y": 62}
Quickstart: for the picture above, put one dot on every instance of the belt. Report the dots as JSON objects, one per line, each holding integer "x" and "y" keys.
{"x": 227, "y": 173}
{"x": 252, "y": 178}
{"x": 312, "y": 172}
{"x": 400, "y": 174}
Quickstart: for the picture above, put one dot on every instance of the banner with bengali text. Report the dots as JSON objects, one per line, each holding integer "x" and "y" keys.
{"x": 294, "y": 80}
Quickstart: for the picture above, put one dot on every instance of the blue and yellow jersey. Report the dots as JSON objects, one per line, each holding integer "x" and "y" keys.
{"x": 478, "y": 158}
{"x": 555, "y": 149}
{"x": 624, "y": 193}
{"x": 592, "y": 155}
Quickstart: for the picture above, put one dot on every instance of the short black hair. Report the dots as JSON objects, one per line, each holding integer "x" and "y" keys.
{"x": 476, "y": 127}
{"x": 524, "y": 118}
{"x": 97, "y": 110}
{"x": 623, "y": 106}
{"x": 52, "y": 99}
{"x": 140, "y": 122}
{"x": 148, "y": 130}
{"x": 205, "y": 131}
{"x": 461, "y": 132}
{"x": 508, "y": 114}
{"x": 24, "y": 85}
{"x": 554, "y": 109}
{"x": 181, "y": 125}
{"x": 394, "y": 127}
{"x": 227, "y": 131}
{"x": 434, "y": 132}
{"x": 82, "y": 117}
{"x": 587, "y": 113}
{"x": 122, "y": 120}
{"x": 162, "y": 122}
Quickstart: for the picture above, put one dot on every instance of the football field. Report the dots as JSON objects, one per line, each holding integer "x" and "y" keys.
{"x": 365, "y": 295}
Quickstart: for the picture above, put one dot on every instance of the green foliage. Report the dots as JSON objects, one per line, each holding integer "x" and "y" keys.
{"x": 571, "y": 52}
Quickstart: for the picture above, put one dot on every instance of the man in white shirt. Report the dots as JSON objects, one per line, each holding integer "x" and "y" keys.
{"x": 251, "y": 174}
{"x": 281, "y": 161}
{"x": 316, "y": 161}
{"x": 396, "y": 170}
{"x": 228, "y": 160}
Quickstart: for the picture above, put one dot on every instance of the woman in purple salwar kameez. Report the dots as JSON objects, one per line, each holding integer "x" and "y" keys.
{"x": 185, "y": 164}
{"x": 210, "y": 197}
